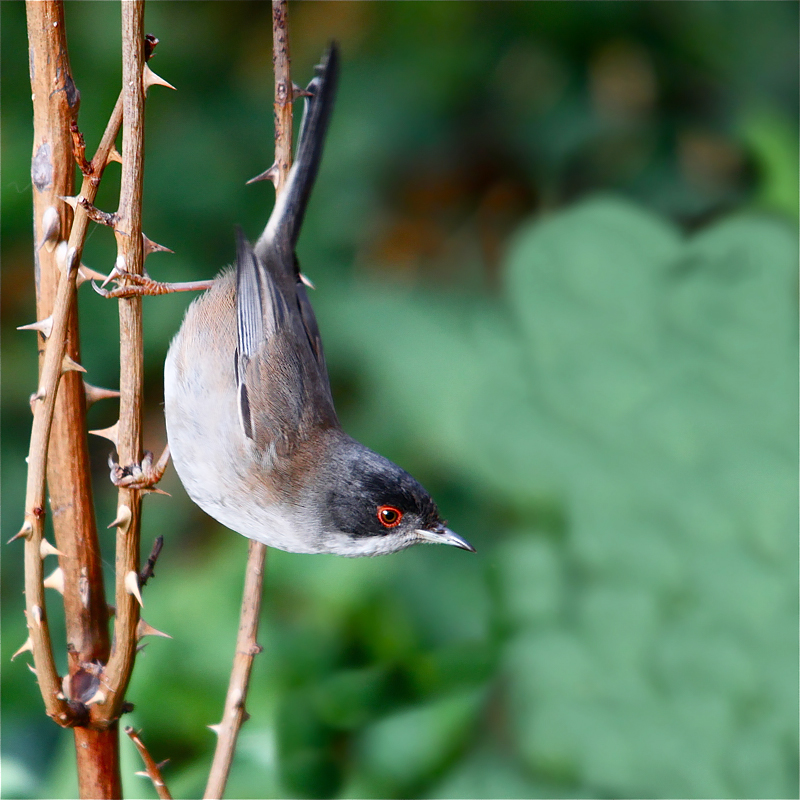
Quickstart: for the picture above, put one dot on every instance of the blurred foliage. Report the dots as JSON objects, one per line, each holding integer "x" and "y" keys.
{"x": 556, "y": 252}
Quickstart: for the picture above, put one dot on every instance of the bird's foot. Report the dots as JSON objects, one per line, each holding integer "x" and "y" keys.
{"x": 144, "y": 476}
{"x": 132, "y": 285}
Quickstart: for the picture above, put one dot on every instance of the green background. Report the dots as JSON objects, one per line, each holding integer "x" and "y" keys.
{"x": 556, "y": 250}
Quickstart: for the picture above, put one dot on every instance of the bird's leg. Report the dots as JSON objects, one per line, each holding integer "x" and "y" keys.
{"x": 144, "y": 285}
{"x": 144, "y": 476}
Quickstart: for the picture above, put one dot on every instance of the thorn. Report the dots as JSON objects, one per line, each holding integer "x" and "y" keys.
{"x": 95, "y": 393}
{"x": 154, "y": 490}
{"x": 87, "y": 273}
{"x": 153, "y": 247}
{"x": 70, "y": 365}
{"x": 270, "y": 174}
{"x": 23, "y": 533}
{"x": 119, "y": 269}
{"x": 298, "y": 92}
{"x": 51, "y": 228}
{"x": 149, "y": 78}
{"x": 215, "y": 728}
{"x": 44, "y": 326}
{"x": 72, "y": 255}
{"x": 123, "y": 519}
{"x": 61, "y": 255}
{"x": 26, "y": 648}
{"x": 98, "y": 697}
{"x": 47, "y": 549}
{"x": 70, "y": 201}
{"x": 132, "y": 586}
{"x": 142, "y": 773}
{"x": 145, "y": 629}
{"x": 65, "y": 257}
{"x": 114, "y": 155}
{"x": 306, "y": 280}
{"x": 141, "y": 646}
{"x": 33, "y": 669}
{"x": 40, "y": 395}
{"x": 55, "y": 580}
{"x": 108, "y": 433}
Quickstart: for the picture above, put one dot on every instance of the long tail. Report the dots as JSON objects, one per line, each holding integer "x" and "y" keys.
{"x": 287, "y": 216}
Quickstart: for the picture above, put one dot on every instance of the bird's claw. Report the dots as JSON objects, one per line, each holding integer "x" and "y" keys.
{"x": 143, "y": 476}
{"x": 145, "y": 286}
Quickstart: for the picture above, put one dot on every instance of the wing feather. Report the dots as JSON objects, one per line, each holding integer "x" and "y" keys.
{"x": 284, "y": 391}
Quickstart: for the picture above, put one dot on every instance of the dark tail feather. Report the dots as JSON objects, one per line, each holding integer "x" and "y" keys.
{"x": 287, "y": 216}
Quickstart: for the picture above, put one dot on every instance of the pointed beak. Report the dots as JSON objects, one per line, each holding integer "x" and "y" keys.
{"x": 442, "y": 535}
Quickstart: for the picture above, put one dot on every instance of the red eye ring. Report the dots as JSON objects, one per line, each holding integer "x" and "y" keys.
{"x": 389, "y": 516}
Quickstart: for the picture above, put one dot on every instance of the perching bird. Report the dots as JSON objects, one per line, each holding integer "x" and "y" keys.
{"x": 250, "y": 419}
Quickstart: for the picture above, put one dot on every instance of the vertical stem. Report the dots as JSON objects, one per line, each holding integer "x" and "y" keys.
{"x": 55, "y": 103}
{"x": 246, "y": 649}
{"x": 284, "y": 94}
{"x": 246, "y": 645}
{"x": 97, "y": 754}
{"x": 128, "y": 231}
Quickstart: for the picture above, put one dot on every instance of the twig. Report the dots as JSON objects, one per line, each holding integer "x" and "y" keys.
{"x": 246, "y": 645}
{"x": 128, "y": 232}
{"x": 147, "y": 571}
{"x": 97, "y": 751}
{"x": 246, "y": 649}
{"x": 284, "y": 94}
{"x": 153, "y": 770}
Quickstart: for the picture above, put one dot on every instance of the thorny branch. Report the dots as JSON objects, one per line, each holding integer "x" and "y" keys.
{"x": 153, "y": 770}
{"x": 58, "y": 450}
{"x": 59, "y": 329}
{"x": 128, "y": 232}
{"x": 247, "y": 646}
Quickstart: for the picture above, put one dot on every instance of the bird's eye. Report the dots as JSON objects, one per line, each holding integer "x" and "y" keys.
{"x": 389, "y": 516}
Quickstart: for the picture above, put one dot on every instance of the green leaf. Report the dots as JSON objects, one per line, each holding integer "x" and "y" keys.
{"x": 411, "y": 745}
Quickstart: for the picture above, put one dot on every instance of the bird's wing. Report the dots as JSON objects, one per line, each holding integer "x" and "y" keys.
{"x": 284, "y": 392}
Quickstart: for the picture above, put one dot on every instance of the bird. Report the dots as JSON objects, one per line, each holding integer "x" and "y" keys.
{"x": 250, "y": 418}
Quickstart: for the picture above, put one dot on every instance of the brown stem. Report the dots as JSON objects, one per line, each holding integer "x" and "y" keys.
{"x": 128, "y": 232}
{"x": 58, "y": 440}
{"x": 246, "y": 645}
{"x": 153, "y": 770}
{"x": 55, "y": 101}
{"x": 98, "y": 763}
{"x": 246, "y": 649}
{"x": 284, "y": 95}
{"x": 148, "y": 571}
